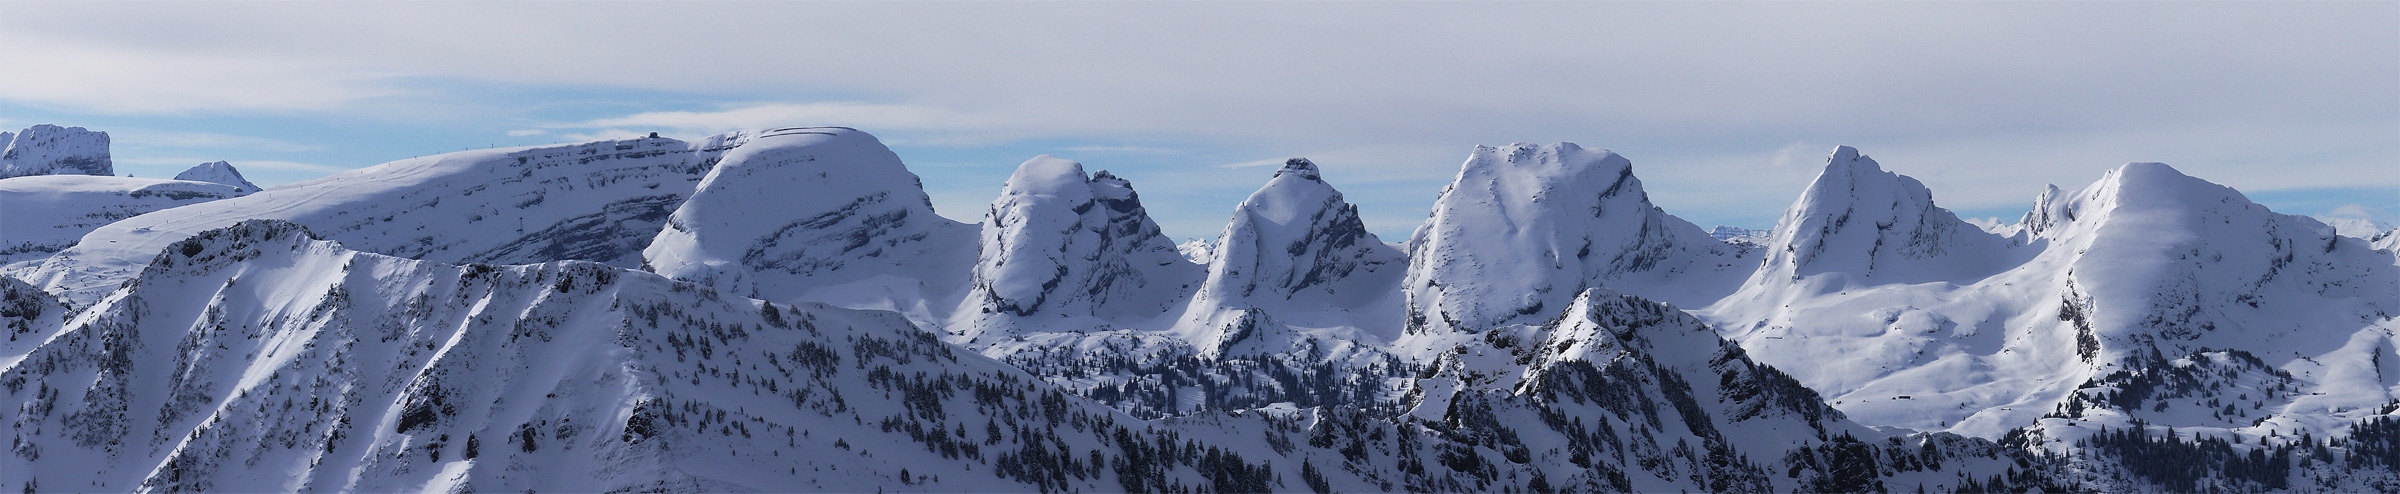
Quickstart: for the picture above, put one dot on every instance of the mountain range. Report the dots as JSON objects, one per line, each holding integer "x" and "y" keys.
{"x": 647, "y": 314}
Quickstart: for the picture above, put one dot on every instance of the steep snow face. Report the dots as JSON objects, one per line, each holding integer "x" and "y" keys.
{"x": 2144, "y": 267}
{"x": 1296, "y": 242}
{"x": 1524, "y": 228}
{"x": 1062, "y": 250}
{"x": 1294, "y": 253}
{"x": 599, "y": 201}
{"x": 53, "y": 150}
{"x": 48, "y": 213}
{"x": 1858, "y": 220}
{"x": 822, "y": 214}
{"x": 219, "y": 172}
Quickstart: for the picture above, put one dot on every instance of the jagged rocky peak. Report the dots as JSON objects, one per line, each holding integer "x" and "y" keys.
{"x": 1525, "y": 227}
{"x": 1060, "y": 244}
{"x": 53, "y": 150}
{"x": 219, "y": 172}
{"x": 798, "y": 209}
{"x": 1862, "y": 221}
{"x": 1297, "y": 241}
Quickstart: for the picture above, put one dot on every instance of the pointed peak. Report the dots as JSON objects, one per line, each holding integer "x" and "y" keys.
{"x": 1851, "y": 161}
{"x": 1299, "y": 167}
{"x": 1846, "y": 153}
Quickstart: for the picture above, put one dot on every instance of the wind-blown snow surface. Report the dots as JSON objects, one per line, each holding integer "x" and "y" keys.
{"x": 219, "y": 172}
{"x": 53, "y": 150}
{"x": 1524, "y": 228}
{"x": 2112, "y": 283}
{"x": 599, "y": 201}
{"x": 43, "y": 214}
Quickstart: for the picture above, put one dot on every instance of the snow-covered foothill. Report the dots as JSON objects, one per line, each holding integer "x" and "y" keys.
{"x": 53, "y": 150}
{"x": 43, "y": 214}
{"x": 822, "y": 214}
{"x": 219, "y": 172}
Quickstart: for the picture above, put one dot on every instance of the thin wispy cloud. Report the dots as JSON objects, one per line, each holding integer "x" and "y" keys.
{"x": 1725, "y": 109}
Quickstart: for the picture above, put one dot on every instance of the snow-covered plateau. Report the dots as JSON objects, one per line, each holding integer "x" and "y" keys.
{"x": 659, "y": 314}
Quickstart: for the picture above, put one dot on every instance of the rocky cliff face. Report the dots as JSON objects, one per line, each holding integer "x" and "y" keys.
{"x": 53, "y": 150}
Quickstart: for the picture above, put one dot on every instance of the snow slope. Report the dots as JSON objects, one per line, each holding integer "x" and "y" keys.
{"x": 43, "y": 214}
{"x": 1525, "y": 228}
{"x": 848, "y": 224}
{"x": 219, "y": 172}
{"x": 52, "y": 150}
{"x": 599, "y": 201}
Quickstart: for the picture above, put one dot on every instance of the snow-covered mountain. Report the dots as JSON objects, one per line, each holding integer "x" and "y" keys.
{"x": 1295, "y": 253}
{"x": 598, "y": 201}
{"x": 647, "y": 314}
{"x": 219, "y": 172}
{"x": 53, "y": 150}
{"x": 43, "y": 214}
{"x": 850, "y": 225}
{"x": 2126, "y": 296}
{"x": 1062, "y": 250}
{"x": 1524, "y": 228}
{"x": 256, "y": 357}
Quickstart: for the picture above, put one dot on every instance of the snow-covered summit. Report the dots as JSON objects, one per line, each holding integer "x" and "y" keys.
{"x": 219, "y": 172}
{"x": 1296, "y": 241}
{"x": 1526, "y": 227}
{"x": 1071, "y": 250}
{"x": 1860, "y": 220}
{"x": 53, "y": 150}
{"x": 1294, "y": 252}
{"x": 822, "y": 214}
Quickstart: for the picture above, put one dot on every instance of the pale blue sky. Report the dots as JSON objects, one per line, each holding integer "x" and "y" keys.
{"x": 1726, "y": 109}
